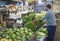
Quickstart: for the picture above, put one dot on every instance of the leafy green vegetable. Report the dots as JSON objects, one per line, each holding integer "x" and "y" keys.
{"x": 16, "y": 34}
{"x": 42, "y": 32}
{"x": 28, "y": 18}
{"x": 30, "y": 25}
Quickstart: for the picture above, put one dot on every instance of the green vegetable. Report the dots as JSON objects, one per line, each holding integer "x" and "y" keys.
{"x": 30, "y": 25}
{"x": 39, "y": 24}
{"x": 42, "y": 32}
{"x": 16, "y": 34}
{"x": 28, "y": 18}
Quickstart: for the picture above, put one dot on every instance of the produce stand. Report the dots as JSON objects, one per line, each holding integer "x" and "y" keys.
{"x": 34, "y": 36}
{"x": 12, "y": 21}
{"x": 19, "y": 34}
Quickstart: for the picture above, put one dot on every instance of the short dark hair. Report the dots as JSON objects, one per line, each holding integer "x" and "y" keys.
{"x": 49, "y": 6}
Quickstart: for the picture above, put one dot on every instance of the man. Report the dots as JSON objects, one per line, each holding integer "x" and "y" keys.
{"x": 51, "y": 22}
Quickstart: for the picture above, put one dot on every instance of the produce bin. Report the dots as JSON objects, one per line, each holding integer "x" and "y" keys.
{"x": 10, "y": 22}
{"x": 33, "y": 38}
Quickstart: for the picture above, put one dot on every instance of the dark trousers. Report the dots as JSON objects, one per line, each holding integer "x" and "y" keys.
{"x": 51, "y": 32}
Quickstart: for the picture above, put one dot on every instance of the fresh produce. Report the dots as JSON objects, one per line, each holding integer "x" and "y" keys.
{"x": 5, "y": 40}
{"x": 4, "y": 13}
{"x": 39, "y": 24}
{"x": 26, "y": 32}
{"x": 25, "y": 19}
{"x": 28, "y": 18}
{"x": 32, "y": 16}
{"x": 40, "y": 35}
{"x": 16, "y": 34}
{"x": 42, "y": 14}
{"x": 30, "y": 25}
{"x": 42, "y": 32}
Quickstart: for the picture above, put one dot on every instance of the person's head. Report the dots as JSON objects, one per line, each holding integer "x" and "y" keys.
{"x": 48, "y": 6}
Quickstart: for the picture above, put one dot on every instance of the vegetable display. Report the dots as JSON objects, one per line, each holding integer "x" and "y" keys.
{"x": 16, "y": 34}
{"x": 24, "y": 33}
{"x": 42, "y": 32}
{"x": 28, "y": 18}
{"x": 5, "y": 40}
{"x": 30, "y": 25}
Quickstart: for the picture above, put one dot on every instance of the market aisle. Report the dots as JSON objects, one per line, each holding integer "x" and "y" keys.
{"x": 56, "y": 8}
{"x": 57, "y": 35}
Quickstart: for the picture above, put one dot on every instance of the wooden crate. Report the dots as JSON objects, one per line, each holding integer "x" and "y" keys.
{"x": 33, "y": 38}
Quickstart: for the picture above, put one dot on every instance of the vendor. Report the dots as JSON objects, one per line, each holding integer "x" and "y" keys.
{"x": 51, "y": 22}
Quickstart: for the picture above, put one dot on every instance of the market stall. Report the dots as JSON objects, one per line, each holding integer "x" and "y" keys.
{"x": 28, "y": 29}
{"x": 23, "y": 23}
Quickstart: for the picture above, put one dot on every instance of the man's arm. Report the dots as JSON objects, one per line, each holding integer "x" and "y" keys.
{"x": 45, "y": 17}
